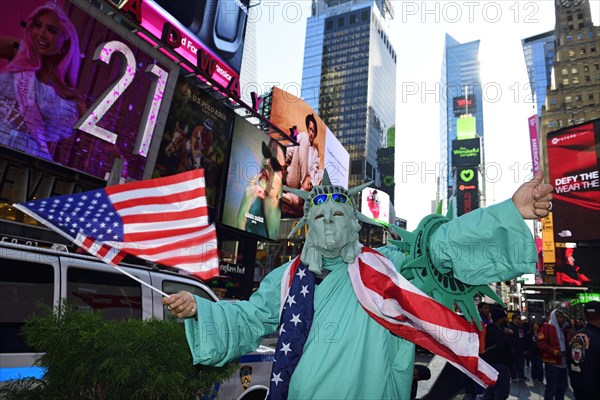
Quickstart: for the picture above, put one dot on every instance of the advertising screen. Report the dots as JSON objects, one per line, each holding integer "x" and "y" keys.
{"x": 197, "y": 135}
{"x": 574, "y": 171}
{"x": 466, "y": 152}
{"x": 306, "y": 162}
{"x": 254, "y": 182}
{"x": 467, "y": 190}
{"x": 74, "y": 92}
{"x": 375, "y": 204}
{"x": 208, "y": 34}
{"x": 462, "y": 105}
{"x": 577, "y": 265}
{"x": 466, "y": 128}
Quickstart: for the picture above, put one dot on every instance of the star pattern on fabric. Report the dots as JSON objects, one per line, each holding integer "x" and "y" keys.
{"x": 294, "y": 327}
{"x": 90, "y": 215}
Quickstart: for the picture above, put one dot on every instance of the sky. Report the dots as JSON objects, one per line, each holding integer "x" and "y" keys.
{"x": 417, "y": 34}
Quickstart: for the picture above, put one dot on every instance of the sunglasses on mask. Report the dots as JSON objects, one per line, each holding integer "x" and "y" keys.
{"x": 336, "y": 197}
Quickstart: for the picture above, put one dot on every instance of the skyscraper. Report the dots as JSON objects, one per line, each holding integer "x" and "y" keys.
{"x": 573, "y": 96}
{"x": 461, "y": 104}
{"x": 349, "y": 77}
{"x": 539, "y": 58}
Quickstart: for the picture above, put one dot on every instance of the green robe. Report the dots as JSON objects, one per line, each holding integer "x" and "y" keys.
{"x": 348, "y": 355}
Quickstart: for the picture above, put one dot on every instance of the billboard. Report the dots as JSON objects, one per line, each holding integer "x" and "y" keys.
{"x": 466, "y": 190}
{"x": 95, "y": 99}
{"x": 534, "y": 142}
{"x": 197, "y": 135}
{"x": 573, "y": 268}
{"x": 462, "y": 105}
{"x": 209, "y": 34}
{"x": 254, "y": 182}
{"x": 375, "y": 204}
{"x": 317, "y": 149}
{"x": 466, "y": 152}
{"x": 466, "y": 127}
{"x": 575, "y": 174}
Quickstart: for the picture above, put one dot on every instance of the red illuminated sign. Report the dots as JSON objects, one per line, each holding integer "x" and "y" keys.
{"x": 208, "y": 57}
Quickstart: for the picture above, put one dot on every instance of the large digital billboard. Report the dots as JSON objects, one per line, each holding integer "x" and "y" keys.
{"x": 317, "y": 149}
{"x": 197, "y": 135}
{"x": 375, "y": 204}
{"x": 74, "y": 92}
{"x": 466, "y": 190}
{"x": 209, "y": 34}
{"x": 254, "y": 182}
{"x": 574, "y": 171}
{"x": 466, "y": 152}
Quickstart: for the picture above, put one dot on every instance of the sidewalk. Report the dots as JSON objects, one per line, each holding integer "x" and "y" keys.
{"x": 519, "y": 390}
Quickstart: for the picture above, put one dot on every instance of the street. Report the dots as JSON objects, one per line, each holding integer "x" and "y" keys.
{"x": 449, "y": 383}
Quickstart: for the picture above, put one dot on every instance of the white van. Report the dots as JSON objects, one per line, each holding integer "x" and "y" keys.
{"x": 30, "y": 274}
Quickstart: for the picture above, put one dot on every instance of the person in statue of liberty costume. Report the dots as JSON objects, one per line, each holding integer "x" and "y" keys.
{"x": 346, "y": 348}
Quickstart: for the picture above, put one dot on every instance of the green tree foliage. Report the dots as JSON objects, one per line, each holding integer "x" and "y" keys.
{"x": 88, "y": 357}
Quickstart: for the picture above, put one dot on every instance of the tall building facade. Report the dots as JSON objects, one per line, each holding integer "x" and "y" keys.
{"x": 573, "y": 96}
{"x": 461, "y": 105}
{"x": 349, "y": 78}
{"x": 539, "y": 59}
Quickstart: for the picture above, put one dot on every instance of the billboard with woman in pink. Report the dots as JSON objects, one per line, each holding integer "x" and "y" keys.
{"x": 76, "y": 92}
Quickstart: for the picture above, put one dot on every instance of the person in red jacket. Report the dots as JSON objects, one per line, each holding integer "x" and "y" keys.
{"x": 552, "y": 341}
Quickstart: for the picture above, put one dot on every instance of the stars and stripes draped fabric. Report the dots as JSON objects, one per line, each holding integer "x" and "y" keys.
{"x": 163, "y": 220}
{"x": 399, "y": 306}
{"x": 296, "y": 320}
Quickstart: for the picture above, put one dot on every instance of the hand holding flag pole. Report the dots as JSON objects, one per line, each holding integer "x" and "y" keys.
{"x": 162, "y": 220}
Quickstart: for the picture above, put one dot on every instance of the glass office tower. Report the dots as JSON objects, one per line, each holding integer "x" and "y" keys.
{"x": 460, "y": 80}
{"x": 349, "y": 78}
{"x": 539, "y": 57}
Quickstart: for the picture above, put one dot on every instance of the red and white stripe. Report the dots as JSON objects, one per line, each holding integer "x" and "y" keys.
{"x": 164, "y": 220}
{"x": 406, "y": 311}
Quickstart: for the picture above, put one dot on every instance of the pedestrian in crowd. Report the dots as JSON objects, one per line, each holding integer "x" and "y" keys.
{"x": 484, "y": 312}
{"x": 537, "y": 367}
{"x": 584, "y": 356}
{"x": 526, "y": 328}
{"x": 517, "y": 371}
{"x": 498, "y": 340}
{"x": 361, "y": 295}
{"x": 552, "y": 342}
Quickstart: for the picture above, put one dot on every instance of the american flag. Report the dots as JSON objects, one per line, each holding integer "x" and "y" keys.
{"x": 399, "y": 306}
{"x": 296, "y": 320}
{"x": 403, "y": 309}
{"x": 163, "y": 220}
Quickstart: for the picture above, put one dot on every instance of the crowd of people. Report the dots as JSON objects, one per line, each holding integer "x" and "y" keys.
{"x": 556, "y": 351}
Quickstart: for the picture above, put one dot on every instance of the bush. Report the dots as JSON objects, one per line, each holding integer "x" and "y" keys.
{"x": 88, "y": 357}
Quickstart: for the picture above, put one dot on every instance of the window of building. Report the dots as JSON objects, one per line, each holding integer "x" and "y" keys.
{"x": 552, "y": 101}
{"x": 329, "y": 24}
{"x": 574, "y": 70}
{"x": 578, "y": 97}
{"x": 352, "y": 18}
{"x": 551, "y": 124}
{"x": 565, "y": 81}
{"x": 364, "y": 16}
{"x": 575, "y": 79}
{"x": 591, "y": 96}
{"x": 340, "y": 22}
{"x": 569, "y": 38}
{"x": 582, "y": 51}
{"x": 568, "y": 99}
{"x": 564, "y": 71}
{"x": 586, "y": 68}
{"x": 571, "y": 53}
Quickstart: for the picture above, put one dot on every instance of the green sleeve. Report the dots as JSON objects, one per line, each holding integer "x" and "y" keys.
{"x": 227, "y": 330}
{"x": 486, "y": 245}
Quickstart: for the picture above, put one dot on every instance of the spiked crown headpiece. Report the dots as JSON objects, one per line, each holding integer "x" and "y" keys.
{"x": 326, "y": 187}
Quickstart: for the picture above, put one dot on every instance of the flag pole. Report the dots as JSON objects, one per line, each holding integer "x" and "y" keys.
{"x": 140, "y": 281}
